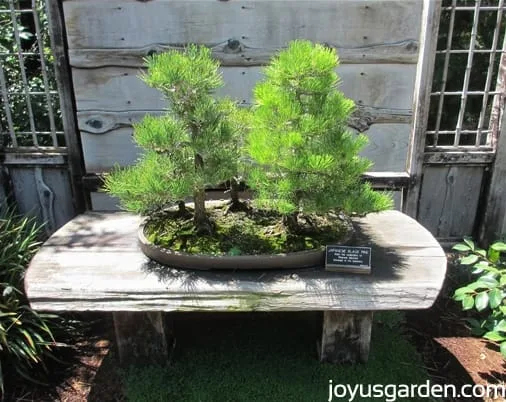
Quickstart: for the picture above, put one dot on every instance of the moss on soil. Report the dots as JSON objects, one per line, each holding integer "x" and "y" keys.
{"x": 244, "y": 233}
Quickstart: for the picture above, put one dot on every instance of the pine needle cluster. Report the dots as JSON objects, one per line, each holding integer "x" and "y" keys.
{"x": 190, "y": 147}
{"x": 298, "y": 153}
{"x": 304, "y": 157}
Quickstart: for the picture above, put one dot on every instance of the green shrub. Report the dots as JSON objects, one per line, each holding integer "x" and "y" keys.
{"x": 487, "y": 294}
{"x": 305, "y": 158}
{"x": 26, "y": 339}
{"x": 192, "y": 146}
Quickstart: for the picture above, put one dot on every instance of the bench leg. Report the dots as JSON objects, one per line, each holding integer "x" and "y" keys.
{"x": 346, "y": 336}
{"x": 141, "y": 337}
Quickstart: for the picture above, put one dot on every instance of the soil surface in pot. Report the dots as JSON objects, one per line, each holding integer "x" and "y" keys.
{"x": 248, "y": 232}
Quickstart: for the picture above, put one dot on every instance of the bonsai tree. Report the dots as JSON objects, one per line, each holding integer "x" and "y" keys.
{"x": 304, "y": 157}
{"x": 194, "y": 144}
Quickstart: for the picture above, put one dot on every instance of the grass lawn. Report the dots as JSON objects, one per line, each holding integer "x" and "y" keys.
{"x": 268, "y": 357}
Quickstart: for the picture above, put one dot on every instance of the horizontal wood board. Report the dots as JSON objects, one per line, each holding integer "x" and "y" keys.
{"x": 98, "y": 24}
{"x": 120, "y": 89}
{"x": 94, "y": 263}
{"x": 388, "y": 144}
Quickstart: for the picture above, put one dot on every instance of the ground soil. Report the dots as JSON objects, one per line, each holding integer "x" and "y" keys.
{"x": 450, "y": 356}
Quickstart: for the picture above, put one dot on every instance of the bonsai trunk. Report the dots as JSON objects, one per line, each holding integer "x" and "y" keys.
{"x": 291, "y": 222}
{"x": 200, "y": 219}
{"x": 236, "y": 204}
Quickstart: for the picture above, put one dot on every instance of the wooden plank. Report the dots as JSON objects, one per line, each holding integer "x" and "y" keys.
{"x": 58, "y": 179}
{"x": 235, "y": 53}
{"x": 44, "y": 193}
{"x": 458, "y": 157}
{"x": 141, "y": 338}
{"x": 103, "y": 202}
{"x": 428, "y": 45}
{"x": 120, "y": 89}
{"x": 449, "y": 199}
{"x": 34, "y": 157}
{"x": 67, "y": 106}
{"x": 387, "y": 148}
{"x": 101, "y": 122}
{"x": 103, "y": 152}
{"x": 94, "y": 263}
{"x": 95, "y": 24}
{"x": 493, "y": 223}
{"x": 346, "y": 336}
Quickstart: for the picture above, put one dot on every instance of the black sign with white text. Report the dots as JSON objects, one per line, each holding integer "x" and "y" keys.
{"x": 348, "y": 259}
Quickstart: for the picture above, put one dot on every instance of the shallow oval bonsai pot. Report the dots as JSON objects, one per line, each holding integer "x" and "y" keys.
{"x": 184, "y": 260}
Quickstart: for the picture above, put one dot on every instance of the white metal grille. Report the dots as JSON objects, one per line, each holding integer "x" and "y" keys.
{"x": 471, "y": 41}
{"x": 29, "y": 108}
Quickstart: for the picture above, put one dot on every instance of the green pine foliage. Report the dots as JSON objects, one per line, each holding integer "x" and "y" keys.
{"x": 304, "y": 158}
{"x": 190, "y": 147}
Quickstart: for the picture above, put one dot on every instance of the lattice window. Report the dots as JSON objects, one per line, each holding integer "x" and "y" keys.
{"x": 29, "y": 107}
{"x": 471, "y": 41}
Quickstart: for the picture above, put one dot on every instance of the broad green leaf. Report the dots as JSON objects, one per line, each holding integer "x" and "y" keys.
{"x": 500, "y": 326}
{"x": 481, "y": 301}
{"x": 481, "y": 252}
{"x": 469, "y": 259}
{"x": 488, "y": 281}
{"x": 495, "y": 298}
{"x": 494, "y": 336}
{"x": 470, "y": 243}
{"x": 503, "y": 349}
{"x": 461, "y": 247}
{"x": 459, "y": 297}
{"x": 493, "y": 255}
{"x": 468, "y": 303}
{"x": 498, "y": 246}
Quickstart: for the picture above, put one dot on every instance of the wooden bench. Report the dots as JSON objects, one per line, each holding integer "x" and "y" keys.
{"x": 93, "y": 263}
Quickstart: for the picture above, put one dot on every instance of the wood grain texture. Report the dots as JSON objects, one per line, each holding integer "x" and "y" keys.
{"x": 47, "y": 195}
{"x": 346, "y": 336}
{"x": 431, "y": 14}
{"x": 120, "y": 89}
{"x": 94, "y": 263}
{"x": 235, "y": 53}
{"x": 449, "y": 199}
{"x": 141, "y": 337}
{"x": 494, "y": 219}
{"x": 95, "y": 24}
{"x": 459, "y": 157}
{"x": 387, "y": 148}
{"x": 101, "y": 122}
{"x": 63, "y": 77}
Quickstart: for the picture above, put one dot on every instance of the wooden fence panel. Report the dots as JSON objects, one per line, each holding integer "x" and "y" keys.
{"x": 96, "y": 24}
{"x": 45, "y": 193}
{"x": 378, "y": 44}
{"x": 449, "y": 200}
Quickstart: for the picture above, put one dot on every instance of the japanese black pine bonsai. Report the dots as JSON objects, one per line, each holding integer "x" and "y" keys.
{"x": 304, "y": 157}
{"x": 191, "y": 146}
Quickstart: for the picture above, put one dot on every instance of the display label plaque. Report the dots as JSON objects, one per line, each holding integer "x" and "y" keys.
{"x": 348, "y": 259}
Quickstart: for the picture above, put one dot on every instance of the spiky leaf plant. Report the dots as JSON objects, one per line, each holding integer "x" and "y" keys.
{"x": 191, "y": 146}
{"x": 304, "y": 156}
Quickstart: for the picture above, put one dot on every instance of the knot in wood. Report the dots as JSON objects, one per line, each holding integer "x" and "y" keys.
{"x": 94, "y": 123}
{"x": 233, "y": 46}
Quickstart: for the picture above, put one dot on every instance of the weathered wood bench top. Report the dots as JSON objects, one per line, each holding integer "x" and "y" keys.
{"x": 94, "y": 263}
